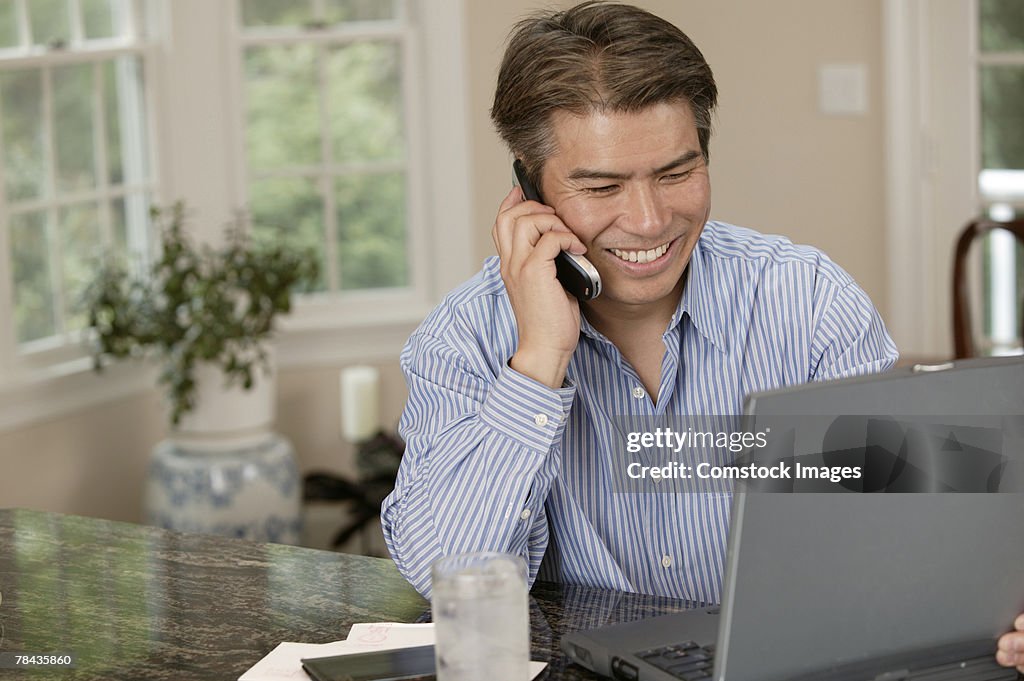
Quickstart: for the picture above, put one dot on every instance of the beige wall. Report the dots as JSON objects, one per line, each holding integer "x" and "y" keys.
{"x": 94, "y": 462}
{"x": 777, "y": 165}
{"x": 91, "y": 463}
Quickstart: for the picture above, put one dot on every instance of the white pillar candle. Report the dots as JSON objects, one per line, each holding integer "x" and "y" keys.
{"x": 359, "y": 403}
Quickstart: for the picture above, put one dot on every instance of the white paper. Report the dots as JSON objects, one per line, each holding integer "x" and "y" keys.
{"x": 283, "y": 662}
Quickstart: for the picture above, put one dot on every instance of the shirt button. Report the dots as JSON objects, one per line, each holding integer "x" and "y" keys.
{"x": 541, "y": 420}
{"x": 638, "y": 393}
{"x": 666, "y": 561}
{"x": 525, "y": 514}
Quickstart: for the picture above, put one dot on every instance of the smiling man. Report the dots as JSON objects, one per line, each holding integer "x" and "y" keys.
{"x": 515, "y": 385}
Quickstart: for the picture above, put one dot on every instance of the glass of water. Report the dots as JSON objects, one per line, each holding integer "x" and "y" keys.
{"x": 481, "y": 617}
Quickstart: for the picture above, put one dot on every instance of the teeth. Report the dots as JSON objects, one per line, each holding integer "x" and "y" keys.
{"x": 641, "y": 256}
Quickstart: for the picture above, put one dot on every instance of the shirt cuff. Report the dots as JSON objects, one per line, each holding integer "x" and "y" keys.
{"x": 526, "y": 410}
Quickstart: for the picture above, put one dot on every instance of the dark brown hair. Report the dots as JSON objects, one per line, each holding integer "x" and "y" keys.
{"x": 596, "y": 56}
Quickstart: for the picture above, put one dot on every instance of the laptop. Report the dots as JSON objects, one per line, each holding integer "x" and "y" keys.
{"x": 881, "y": 586}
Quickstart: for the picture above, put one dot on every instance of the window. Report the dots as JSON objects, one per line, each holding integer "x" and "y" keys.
{"x": 336, "y": 124}
{"x": 351, "y": 138}
{"x": 327, "y": 148}
{"x": 76, "y": 170}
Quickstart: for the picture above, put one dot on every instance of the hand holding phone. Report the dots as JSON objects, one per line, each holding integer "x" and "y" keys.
{"x": 529, "y": 237}
{"x": 577, "y": 275}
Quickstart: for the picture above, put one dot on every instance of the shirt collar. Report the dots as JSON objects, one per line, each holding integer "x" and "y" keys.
{"x": 587, "y": 329}
{"x": 697, "y": 301}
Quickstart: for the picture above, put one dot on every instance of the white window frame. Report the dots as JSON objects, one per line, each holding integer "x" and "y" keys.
{"x": 195, "y": 88}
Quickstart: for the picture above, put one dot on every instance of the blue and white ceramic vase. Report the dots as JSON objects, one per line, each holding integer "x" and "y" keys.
{"x": 225, "y": 471}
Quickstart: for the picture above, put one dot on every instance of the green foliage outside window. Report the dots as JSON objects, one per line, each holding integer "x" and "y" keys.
{"x": 361, "y": 93}
{"x": 1001, "y": 29}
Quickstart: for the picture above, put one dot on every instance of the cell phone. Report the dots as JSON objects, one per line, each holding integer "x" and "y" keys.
{"x": 379, "y": 665}
{"x": 577, "y": 275}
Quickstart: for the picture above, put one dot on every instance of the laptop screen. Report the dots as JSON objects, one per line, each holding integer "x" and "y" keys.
{"x": 824, "y": 576}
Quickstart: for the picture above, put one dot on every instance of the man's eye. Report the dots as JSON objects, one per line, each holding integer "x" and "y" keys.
{"x": 675, "y": 177}
{"x": 606, "y": 189}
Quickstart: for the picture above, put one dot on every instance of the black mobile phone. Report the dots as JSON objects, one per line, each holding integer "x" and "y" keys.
{"x": 577, "y": 275}
{"x": 379, "y": 665}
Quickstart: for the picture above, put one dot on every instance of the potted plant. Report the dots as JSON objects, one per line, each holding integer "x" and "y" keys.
{"x": 206, "y": 314}
{"x": 197, "y": 308}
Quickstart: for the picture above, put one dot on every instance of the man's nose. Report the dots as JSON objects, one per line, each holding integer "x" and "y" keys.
{"x": 648, "y": 213}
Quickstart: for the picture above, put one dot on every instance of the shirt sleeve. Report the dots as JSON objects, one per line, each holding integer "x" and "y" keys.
{"x": 481, "y": 454}
{"x": 850, "y": 337}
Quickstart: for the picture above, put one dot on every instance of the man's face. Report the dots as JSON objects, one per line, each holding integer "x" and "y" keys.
{"x": 635, "y": 189}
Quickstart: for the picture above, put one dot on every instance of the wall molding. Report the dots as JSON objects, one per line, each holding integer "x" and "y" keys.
{"x": 907, "y": 239}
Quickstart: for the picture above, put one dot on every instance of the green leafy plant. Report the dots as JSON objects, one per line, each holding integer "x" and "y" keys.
{"x": 196, "y": 304}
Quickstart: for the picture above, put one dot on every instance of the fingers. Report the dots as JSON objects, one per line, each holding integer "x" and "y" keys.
{"x": 536, "y": 242}
{"x": 1010, "y": 649}
{"x": 1010, "y": 659}
{"x": 1006, "y": 659}
{"x": 527, "y": 264}
{"x": 528, "y": 236}
{"x": 529, "y": 230}
{"x": 513, "y": 207}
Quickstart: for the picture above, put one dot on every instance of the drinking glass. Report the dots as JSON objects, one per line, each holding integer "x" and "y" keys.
{"x": 481, "y": 617}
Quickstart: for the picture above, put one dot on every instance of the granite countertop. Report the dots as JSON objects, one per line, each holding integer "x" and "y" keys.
{"x": 136, "y": 602}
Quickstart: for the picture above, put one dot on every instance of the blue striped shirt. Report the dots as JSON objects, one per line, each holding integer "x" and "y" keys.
{"x": 498, "y": 461}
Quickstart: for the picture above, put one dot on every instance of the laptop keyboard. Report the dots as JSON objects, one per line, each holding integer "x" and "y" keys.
{"x": 687, "y": 661}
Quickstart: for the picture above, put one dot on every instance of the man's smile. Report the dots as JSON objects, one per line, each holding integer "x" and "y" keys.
{"x": 641, "y": 256}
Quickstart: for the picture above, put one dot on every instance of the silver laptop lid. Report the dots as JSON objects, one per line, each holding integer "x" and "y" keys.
{"x": 862, "y": 576}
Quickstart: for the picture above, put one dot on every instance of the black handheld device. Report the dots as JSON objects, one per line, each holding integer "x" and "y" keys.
{"x": 378, "y": 665}
{"x": 577, "y": 275}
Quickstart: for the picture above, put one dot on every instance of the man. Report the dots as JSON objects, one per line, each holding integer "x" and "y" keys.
{"x": 514, "y": 384}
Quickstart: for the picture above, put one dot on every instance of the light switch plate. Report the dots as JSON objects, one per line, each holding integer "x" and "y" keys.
{"x": 843, "y": 89}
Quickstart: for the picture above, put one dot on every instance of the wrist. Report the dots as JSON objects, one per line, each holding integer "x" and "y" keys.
{"x": 548, "y": 368}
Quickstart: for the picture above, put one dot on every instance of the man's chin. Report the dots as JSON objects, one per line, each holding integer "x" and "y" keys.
{"x": 640, "y": 293}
